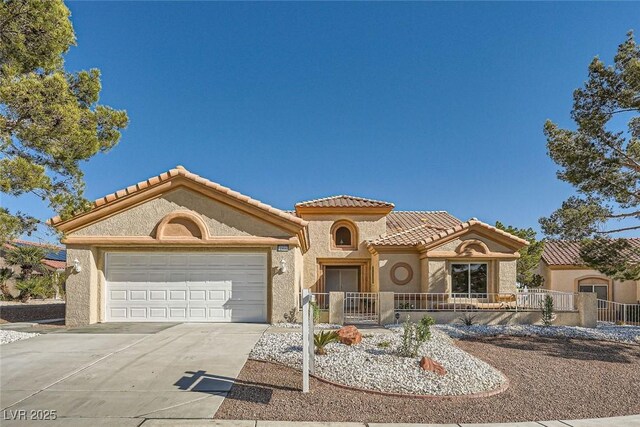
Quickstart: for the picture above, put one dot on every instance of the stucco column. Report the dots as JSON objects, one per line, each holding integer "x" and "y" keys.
{"x": 587, "y": 305}
{"x": 336, "y": 308}
{"x": 424, "y": 275}
{"x": 81, "y": 288}
{"x": 386, "y": 308}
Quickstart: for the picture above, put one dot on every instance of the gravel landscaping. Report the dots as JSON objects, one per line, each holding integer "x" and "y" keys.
{"x": 7, "y": 336}
{"x": 299, "y": 325}
{"x": 374, "y": 365}
{"x": 549, "y": 378}
{"x": 604, "y": 331}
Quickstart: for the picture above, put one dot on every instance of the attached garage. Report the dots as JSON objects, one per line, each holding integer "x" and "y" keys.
{"x": 186, "y": 287}
{"x": 180, "y": 248}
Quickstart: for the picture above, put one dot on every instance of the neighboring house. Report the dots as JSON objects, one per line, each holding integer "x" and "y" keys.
{"x": 179, "y": 247}
{"x": 54, "y": 260}
{"x": 563, "y": 270}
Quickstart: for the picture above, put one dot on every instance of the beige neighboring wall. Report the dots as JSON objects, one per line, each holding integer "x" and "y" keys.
{"x": 567, "y": 278}
{"x": 319, "y": 228}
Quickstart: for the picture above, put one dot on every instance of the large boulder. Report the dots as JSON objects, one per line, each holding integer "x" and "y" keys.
{"x": 349, "y": 335}
{"x": 432, "y": 366}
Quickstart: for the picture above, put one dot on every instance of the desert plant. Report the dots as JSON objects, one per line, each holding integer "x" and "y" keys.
{"x": 5, "y": 274}
{"x": 28, "y": 258}
{"x": 467, "y": 319}
{"x": 291, "y": 315}
{"x": 384, "y": 344}
{"x": 546, "y": 307}
{"x": 322, "y": 339}
{"x": 316, "y": 311}
{"x": 423, "y": 329}
{"x": 35, "y": 286}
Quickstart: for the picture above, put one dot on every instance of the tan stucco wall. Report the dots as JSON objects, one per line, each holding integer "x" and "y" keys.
{"x": 453, "y": 244}
{"x": 369, "y": 227}
{"x": 565, "y": 280}
{"x": 82, "y": 288}
{"x": 388, "y": 260}
{"x": 506, "y": 276}
{"x": 438, "y": 276}
{"x": 221, "y": 220}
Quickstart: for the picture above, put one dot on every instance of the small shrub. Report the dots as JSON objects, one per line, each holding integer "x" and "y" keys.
{"x": 5, "y": 274}
{"x": 423, "y": 329}
{"x": 291, "y": 316}
{"x": 546, "y": 307}
{"x": 384, "y": 344}
{"x": 322, "y": 339}
{"x": 316, "y": 311}
{"x": 467, "y": 319}
{"x": 36, "y": 286}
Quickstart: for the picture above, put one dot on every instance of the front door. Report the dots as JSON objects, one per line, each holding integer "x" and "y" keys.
{"x": 342, "y": 279}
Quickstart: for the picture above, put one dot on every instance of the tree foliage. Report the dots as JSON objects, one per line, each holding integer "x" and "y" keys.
{"x": 601, "y": 159}
{"x": 529, "y": 255}
{"x": 50, "y": 119}
{"x": 28, "y": 258}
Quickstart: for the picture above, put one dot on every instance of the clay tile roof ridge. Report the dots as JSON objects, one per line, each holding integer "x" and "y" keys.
{"x": 346, "y": 196}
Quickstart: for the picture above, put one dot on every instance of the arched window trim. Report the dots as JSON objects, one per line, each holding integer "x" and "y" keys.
{"x": 352, "y": 229}
{"x": 186, "y": 215}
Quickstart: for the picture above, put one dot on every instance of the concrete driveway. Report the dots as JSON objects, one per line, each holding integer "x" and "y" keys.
{"x": 126, "y": 373}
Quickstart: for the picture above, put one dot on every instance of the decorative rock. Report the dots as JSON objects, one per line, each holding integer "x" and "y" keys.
{"x": 431, "y": 365}
{"x": 349, "y": 335}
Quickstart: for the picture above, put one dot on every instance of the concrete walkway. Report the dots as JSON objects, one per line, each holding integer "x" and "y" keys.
{"x": 123, "y": 374}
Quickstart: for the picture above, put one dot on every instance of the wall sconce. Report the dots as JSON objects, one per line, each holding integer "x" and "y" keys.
{"x": 283, "y": 266}
{"x": 77, "y": 268}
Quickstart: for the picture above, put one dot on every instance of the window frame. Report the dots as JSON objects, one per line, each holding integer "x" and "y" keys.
{"x": 468, "y": 294}
{"x": 354, "y": 235}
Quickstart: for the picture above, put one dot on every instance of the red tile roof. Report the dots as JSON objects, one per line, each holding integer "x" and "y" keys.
{"x": 58, "y": 265}
{"x": 181, "y": 171}
{"x": 565, "y": 252}
{"x": 398, "y": 221}
{"x": 424, "y": 234}
{"x": 344, "y": 201}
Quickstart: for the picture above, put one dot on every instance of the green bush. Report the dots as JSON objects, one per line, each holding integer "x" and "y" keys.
{"x": 322, "y": 339}
{"x": 467, "y": 319}
{"x": 546, "y": 307}
{"x": 414, "y": 335}
{"x": 36, "y": 286}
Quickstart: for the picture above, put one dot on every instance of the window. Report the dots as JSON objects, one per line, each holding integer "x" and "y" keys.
{"x": 601, "y": 290}
{"x": 468, "y": 279}
{"x": 343, "y": 236}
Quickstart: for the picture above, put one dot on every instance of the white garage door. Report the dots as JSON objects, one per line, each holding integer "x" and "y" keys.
{"x": 186, "y": 287}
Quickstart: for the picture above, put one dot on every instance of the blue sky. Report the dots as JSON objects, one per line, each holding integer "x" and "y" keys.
{"x": 434, "y": 106}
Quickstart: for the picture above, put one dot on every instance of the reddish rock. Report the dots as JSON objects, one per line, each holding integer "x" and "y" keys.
{"x": 433, "y": 366}
{"x": 349, "y": 335}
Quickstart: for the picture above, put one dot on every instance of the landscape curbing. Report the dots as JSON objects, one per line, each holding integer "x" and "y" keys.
{"x": 626, "y": 421}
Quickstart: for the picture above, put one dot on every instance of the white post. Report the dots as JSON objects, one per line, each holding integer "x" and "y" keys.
{"x": 311, "y": 346}
{"x": 305, "y": 339}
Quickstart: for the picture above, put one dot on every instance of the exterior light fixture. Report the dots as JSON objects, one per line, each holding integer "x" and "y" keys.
{"x": 283, "y": 266}
{"x": 77, "y": 268}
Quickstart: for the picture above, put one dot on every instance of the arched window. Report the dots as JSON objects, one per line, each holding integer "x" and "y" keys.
{"x": 344, "y": 235}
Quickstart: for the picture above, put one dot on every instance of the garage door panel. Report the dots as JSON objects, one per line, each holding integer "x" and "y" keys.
{"x": 215, "y": 287}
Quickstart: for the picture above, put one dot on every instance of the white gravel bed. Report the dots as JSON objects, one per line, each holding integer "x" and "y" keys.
{"x": 32, "y": 301}
{"x": 604, "y": 331}
{"x": 299, "y": 325}
{"x": 7, "y": 336}
{"x": 370, "y": 367}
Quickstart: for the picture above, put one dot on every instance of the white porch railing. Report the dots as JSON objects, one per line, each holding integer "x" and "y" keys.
{"x": 615, "y": 312}
{"x": 361, "y": 307}
{"x": 321, "y": 299}
{"x": 516, "y": 301}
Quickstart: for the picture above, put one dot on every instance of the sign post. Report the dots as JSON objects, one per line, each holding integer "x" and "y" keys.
{"x": 306, "y": 345}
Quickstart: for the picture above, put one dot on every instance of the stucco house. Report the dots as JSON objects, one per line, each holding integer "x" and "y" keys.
{"x": 178, "y": 247}
{"x": 564, "y": 271}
